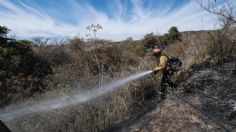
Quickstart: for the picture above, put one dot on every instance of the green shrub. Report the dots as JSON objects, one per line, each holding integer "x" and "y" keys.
{"x": 173, "y": 34}
{"x": 150, "y": 40}
{"x": 3, "y": 31}
{"x": 77, "y": 43}
{"x": 21, "y": 71}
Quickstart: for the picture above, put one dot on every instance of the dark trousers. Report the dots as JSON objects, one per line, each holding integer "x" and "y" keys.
{"x": 3, "y": 127}
{"x": 165, "y": 82}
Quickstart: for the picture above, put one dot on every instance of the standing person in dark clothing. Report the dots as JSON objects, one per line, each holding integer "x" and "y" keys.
{"x": 167, "y": 67}
{"x": 162, "y": 66}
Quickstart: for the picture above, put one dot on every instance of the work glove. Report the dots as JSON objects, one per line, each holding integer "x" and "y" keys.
{"x": 155, "y": 72}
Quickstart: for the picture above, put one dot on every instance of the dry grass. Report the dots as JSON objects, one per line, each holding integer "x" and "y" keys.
{"x": 77, "y": 69}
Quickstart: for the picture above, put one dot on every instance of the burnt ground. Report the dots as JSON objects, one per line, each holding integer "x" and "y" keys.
{"x": 212, "y": 96}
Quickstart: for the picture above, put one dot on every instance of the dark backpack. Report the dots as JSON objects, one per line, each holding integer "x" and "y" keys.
{"x": 174, "y": 64}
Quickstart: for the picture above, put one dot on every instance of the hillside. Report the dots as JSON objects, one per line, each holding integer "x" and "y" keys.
{"x": 34, "y": 72}
{"x": 211, "y": 94}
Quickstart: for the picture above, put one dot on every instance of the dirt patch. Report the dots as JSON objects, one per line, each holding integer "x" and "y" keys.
{"x": 211, "y": 91}
{"x": 172, "y": 115}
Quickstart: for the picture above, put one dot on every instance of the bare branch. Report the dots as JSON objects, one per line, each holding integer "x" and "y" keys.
{"x": 226, "y": 11}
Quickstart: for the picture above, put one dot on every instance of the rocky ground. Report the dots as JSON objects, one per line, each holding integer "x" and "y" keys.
{"x": 212, "y": 96}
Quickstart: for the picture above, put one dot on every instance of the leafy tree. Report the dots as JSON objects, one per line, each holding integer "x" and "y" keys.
{"x": 129, "y": 39}
{"x": 3, "y": 35}
{"x": 164, "y": 40}
{"x": 3, "y": 31}
{"x": 174, "y": 34}
{"x": 150, "y": 40}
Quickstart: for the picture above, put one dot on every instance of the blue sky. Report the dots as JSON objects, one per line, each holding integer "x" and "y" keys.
{"x": 120, "y": 19}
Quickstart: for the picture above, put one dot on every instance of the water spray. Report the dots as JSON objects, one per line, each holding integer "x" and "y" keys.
{"x": 72, "y": 99}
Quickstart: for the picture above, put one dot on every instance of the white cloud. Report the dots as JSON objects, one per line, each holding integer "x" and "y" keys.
{"x": 30, "y": 21}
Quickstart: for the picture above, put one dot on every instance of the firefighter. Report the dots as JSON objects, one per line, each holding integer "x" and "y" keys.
{"x": 163, "y": 61}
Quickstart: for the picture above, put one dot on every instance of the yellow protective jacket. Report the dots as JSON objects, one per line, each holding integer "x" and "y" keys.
{"x": 162, "y": 66}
